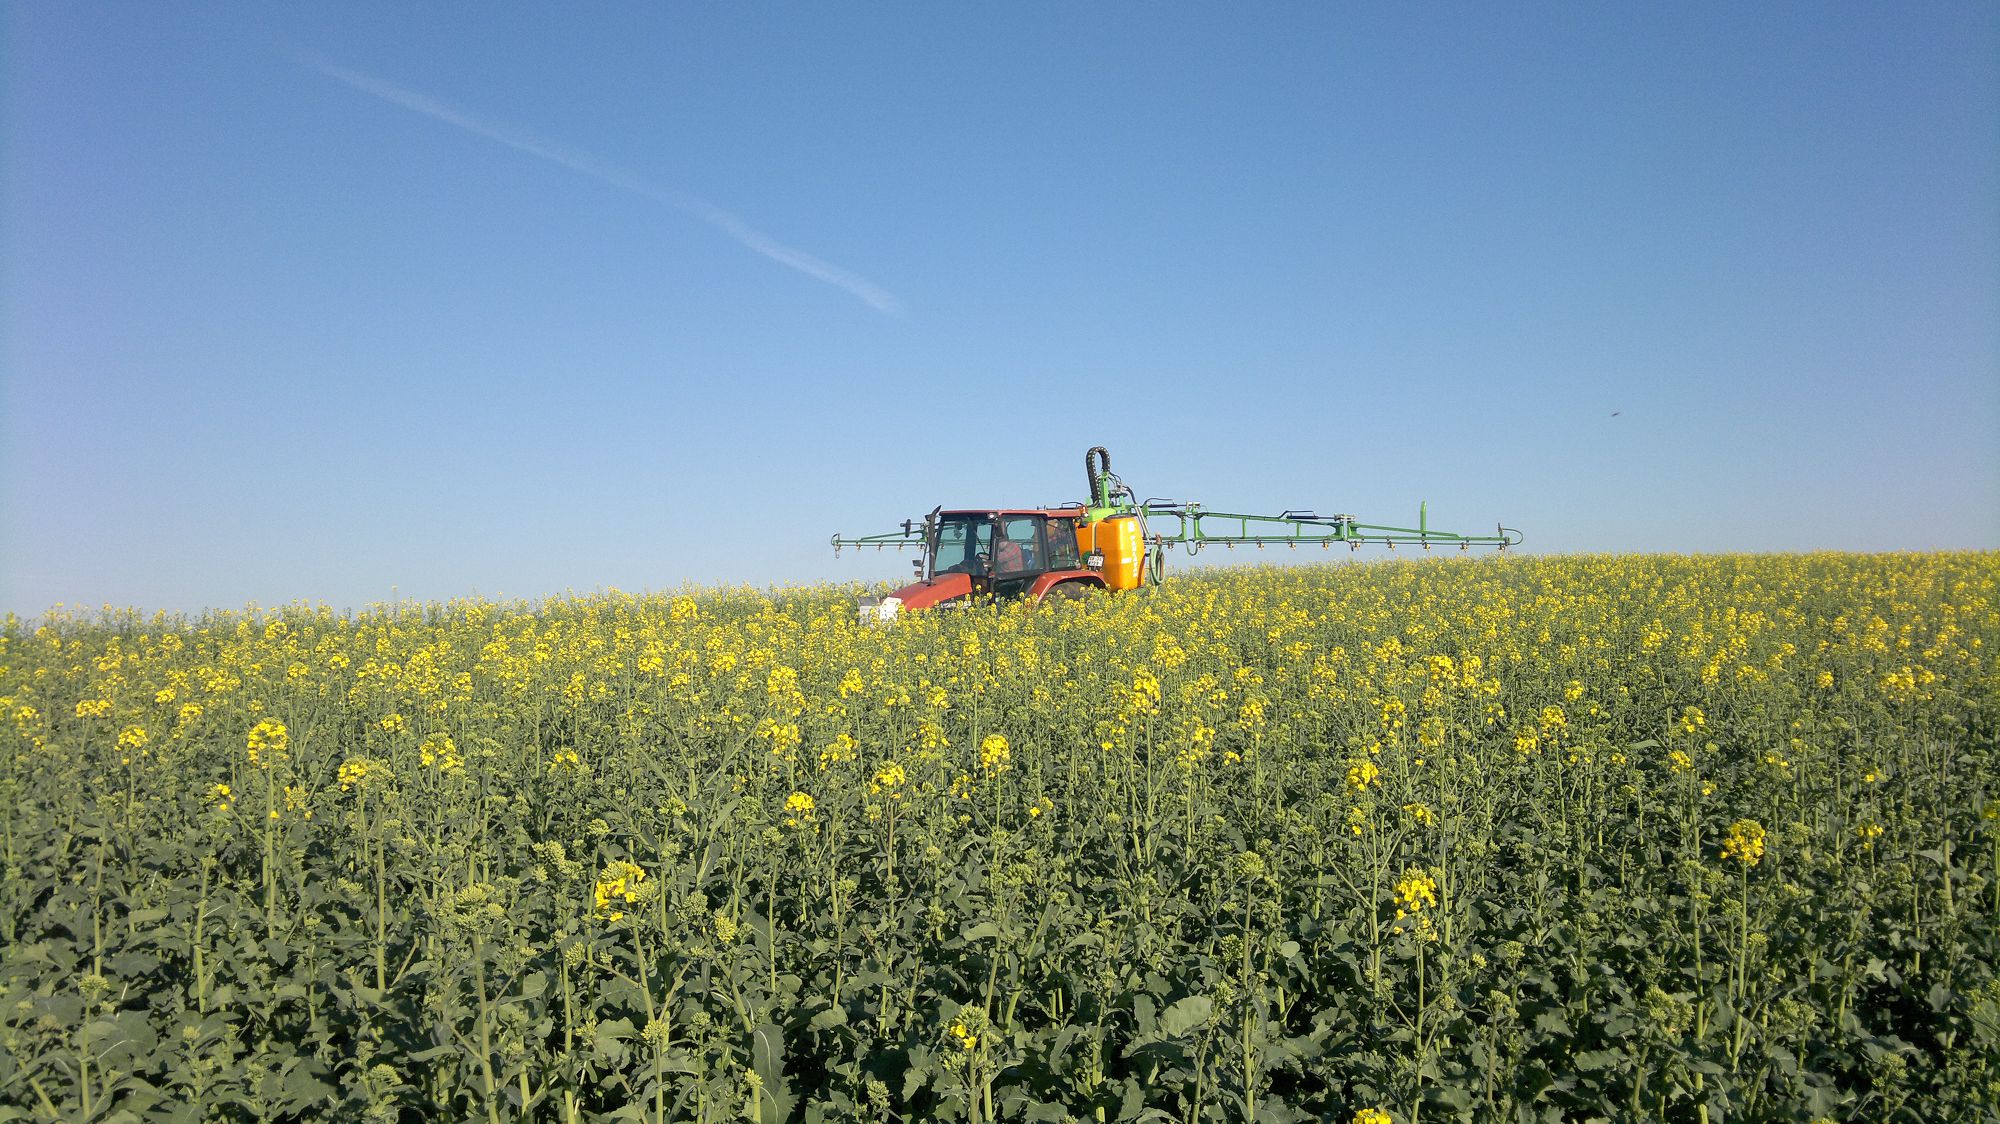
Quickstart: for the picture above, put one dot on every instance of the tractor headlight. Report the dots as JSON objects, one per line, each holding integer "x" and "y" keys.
{"x": 880, "y": 610}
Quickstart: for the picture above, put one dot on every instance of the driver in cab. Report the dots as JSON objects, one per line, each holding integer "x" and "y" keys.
{"x": 1008, "y": 557}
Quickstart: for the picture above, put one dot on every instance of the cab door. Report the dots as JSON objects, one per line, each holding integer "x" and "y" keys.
{"x": 1020, "y": 553}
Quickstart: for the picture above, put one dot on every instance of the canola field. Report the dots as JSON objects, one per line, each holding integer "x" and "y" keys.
{"x": 1514, "y": 839}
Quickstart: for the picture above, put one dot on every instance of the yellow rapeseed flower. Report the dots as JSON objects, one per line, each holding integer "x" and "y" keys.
{"x": 798, "y": 809}
{"x": 364, "y": 772}
{"x": 844, "y": 747}
{"x": 267, "y": 736}
{"x": 1745, "y": 842}
{"x": 617, "y": 885}
{"x": 1393, "y": 711}
{"x": 440, "y": 752}
{"x": 890, "y": 779}
{"x": 1415, "y": 892}
{"x": 964, "y": 1029}
{"x": 1362, "y": 774}
{"x": 1692, "y": 721}
{"x": 1430, "y": 732}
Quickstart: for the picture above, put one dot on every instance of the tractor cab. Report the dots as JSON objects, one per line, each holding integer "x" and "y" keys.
{"x": 970, "y": 555}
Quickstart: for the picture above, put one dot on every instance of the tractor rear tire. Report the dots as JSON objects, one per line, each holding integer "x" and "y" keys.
{"x": 1064, "y": 592}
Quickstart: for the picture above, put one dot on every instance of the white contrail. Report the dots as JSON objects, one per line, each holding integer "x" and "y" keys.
{"x": 524, "y": 141}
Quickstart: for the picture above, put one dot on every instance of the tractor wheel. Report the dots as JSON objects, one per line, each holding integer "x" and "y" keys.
{"x": 1064, "y": 592}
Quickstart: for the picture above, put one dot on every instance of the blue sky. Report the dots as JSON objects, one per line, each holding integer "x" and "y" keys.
{"x": 321, "y": 303}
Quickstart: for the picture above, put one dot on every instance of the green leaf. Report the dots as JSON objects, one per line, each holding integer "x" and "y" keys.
{"x": 1145, "y": 1011}
{"x": 303, "y": 1087}
{"x": 767, "y": 1058}
{"x": 1133, "y": 1105}
{"x": 833, "y": 1016}
{"x": 1186, "y": 1015}
{"x": 610, "y": 1039}
{"x": 1454, "y": 1097}
{"x": 767, "y": 1052}
{"x": 1592, "y": 1060}
{"x": 918, "y": 1074}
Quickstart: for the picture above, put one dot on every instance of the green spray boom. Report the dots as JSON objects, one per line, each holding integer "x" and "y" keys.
{"x": 1196, "y": 527}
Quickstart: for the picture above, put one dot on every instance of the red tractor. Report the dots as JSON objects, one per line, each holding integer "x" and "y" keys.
{"x": 972, "y": 555}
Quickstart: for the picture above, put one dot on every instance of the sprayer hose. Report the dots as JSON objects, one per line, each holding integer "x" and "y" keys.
{"x": 1096, "y": 466}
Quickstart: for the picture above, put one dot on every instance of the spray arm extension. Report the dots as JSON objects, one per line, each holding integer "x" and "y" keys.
{"x": 1198, "y": 528}
{"x": 914, "y": 533}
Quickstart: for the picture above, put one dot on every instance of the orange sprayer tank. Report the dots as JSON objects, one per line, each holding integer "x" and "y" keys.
{"x": 1123, "y": 547}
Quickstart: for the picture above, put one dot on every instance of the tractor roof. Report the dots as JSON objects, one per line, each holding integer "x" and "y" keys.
{"x": 1052, "y": 512}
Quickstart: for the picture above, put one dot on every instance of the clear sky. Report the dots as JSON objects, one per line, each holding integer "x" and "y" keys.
{"x": 321, "y": 302}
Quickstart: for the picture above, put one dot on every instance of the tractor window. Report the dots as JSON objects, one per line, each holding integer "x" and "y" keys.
{"x": 1062, "y": 545}
{"x": 964, "y": 543}
{"x": 1020, "y": 547}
